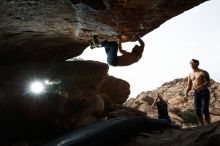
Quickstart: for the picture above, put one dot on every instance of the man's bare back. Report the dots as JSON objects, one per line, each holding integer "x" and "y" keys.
{"x": 128, "y": 58}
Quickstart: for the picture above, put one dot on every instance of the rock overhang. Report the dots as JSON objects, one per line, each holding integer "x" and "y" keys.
{"x": 53, "y": 31}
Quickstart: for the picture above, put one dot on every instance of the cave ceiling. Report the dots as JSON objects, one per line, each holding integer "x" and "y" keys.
{"x": 55, "y": 30}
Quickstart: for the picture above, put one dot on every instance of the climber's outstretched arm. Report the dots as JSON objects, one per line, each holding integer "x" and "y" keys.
{"x": 120, "y": 49}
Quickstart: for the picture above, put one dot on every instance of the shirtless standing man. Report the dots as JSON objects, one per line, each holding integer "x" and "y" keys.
{"x": 198, "y": 81}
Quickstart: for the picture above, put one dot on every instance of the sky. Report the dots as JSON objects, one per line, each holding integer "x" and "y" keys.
{"x": 169, "y": 49}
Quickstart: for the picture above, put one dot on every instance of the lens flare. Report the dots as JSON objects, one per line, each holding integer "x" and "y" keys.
{"x": 47, "y": 82}
{"x": 37, "y": 87}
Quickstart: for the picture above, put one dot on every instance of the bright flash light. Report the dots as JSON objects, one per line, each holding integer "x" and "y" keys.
{"x": 37, "y": 87}
{"x": 47, "y": 82}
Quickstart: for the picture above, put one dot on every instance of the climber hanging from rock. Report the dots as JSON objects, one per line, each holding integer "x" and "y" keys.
{"x": 112, "y": 47}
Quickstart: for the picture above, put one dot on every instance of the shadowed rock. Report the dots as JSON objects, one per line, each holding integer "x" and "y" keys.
{"x": 117, "y": 90}
{"x": 200, "y": 136}
{"x": 68, "y": 104}
{"x": 52, "y": 31}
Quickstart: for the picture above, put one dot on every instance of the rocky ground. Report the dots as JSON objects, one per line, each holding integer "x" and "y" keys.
{"x": 173, "y": 92}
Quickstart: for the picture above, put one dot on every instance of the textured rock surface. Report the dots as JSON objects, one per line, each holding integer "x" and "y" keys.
{"x": 42, "y": 30}
{"x": 173, "y": 92}
{"x": 37, "y": 36}
{"x": 115, "y": 111}
{"x": 116, "y": 89}
{"x": 69, "y": 104}
{"x": 200, "y": 136}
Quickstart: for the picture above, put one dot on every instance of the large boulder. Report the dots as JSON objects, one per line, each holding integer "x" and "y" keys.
{"x": 68, "y": 103}
{"x": 42, "y": 30}
{"x": 116, "y": 90}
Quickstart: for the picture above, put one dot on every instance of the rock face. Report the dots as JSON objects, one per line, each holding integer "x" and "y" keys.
{"x": 200, "y": 136}
{"x": 37, "y": 36}
{"x": 70, "y": 102}
{"x": 51, "y": 31}
{"x": 173, "y": 92}
{"x": 118, "y": 90}
{"x": 37, "y": 30}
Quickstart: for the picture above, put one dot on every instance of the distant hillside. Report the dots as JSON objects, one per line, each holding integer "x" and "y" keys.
{"x": 180, "y": 111}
